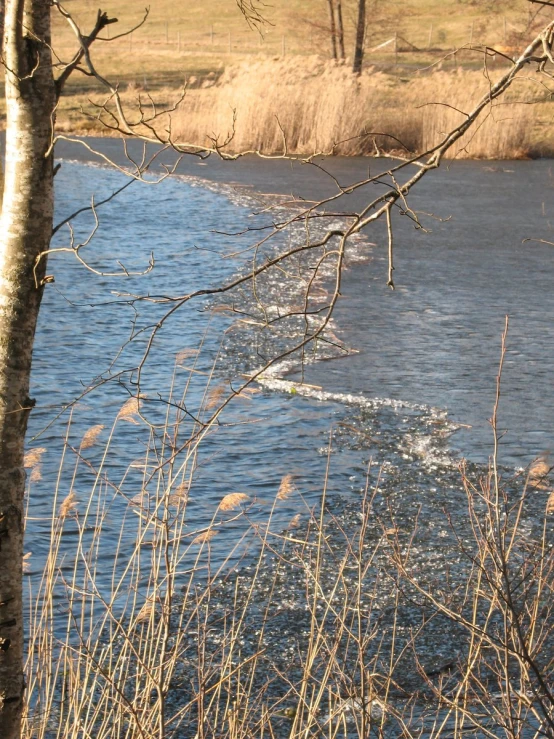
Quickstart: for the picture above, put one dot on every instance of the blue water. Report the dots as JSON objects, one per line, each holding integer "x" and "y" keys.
{"x": 93, "y": 333}
{"x": 432, "y": 345}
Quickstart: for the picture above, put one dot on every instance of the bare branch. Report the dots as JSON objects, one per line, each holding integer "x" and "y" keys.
{"x": 102, "y": 21}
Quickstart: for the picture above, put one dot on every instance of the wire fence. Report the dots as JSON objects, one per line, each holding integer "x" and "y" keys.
{"x": 173, "y": 36}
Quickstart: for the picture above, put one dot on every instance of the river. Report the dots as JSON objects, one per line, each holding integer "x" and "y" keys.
{"x": 425, "y": 351}
{"x": 404, "y": 386}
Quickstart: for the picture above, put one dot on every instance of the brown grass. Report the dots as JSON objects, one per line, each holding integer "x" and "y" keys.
{"x": 232, "y": 501}
{"x": 33, "y": 457}
{"x": 90, "y": 437}
{"x": 109, "y": 677}
{"x": 169, "y": 643}
{"x": 286, "y": 488}
{"x": 319, "y": 106}
{"x": 129, "y": 410}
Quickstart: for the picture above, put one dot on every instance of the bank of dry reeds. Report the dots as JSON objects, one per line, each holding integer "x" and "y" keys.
{"x": 309, "y": 105}
{"x": 313, "y": 637}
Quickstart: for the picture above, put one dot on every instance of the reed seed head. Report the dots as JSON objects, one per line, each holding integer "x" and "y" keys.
{"x": 232, "y": 501}
{"x": 215, "y": 397}
{"x": 538, "y": 472}
{"x": 294, "y": 523}
{"x": 68, "y": 505}
{"x": 36, "y": 473}
{"x": 185, "y": 354}
{"x": 286, "y": 488}
{"x": 33, "y": 457}
{"x": 27, "y": 562}
{"x": 129, "y": 410}
{"x": 91, "y": 435}
{"x": 205, "y": 536}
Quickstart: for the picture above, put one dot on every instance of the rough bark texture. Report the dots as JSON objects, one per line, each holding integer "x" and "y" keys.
{"x": 25, "y": 230}
{"x": 360, "y": 37}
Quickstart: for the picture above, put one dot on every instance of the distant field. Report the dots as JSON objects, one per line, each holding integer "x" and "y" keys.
{"x": 197, "y": 41}
{"x": 201, "y": 36}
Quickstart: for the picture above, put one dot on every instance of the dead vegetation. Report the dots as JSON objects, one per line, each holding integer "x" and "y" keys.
{"x": 320, "y": 106}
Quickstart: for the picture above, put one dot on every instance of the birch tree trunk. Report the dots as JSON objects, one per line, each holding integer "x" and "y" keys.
{"x": 25, "y": 231}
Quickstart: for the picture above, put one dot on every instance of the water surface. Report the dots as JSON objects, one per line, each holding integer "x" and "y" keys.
{"x": 426, "y": 354}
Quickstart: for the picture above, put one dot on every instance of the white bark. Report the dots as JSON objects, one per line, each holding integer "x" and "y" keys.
{"x": 25, "y": 230}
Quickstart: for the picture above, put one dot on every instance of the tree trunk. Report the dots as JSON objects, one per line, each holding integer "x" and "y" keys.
{"x": 2, "y": 9}
{"x": 340, "y": 30}
{"x": 25, "y": 231}
{"x": 360, "y": 37}
{"x": 333, "y": 28}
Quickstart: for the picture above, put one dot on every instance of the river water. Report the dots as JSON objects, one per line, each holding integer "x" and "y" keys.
{"x": 405, "y": 381}
{"x": 421, "y": 361}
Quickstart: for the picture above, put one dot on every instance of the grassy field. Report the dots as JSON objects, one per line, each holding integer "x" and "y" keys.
{"x": 207, "y": 35}
{"x": 198, "y": 43}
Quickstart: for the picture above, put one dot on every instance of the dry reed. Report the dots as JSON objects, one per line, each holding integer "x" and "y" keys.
{"x": 27, "y": 562}
{"x": 185, "y": 354}
{"x": 205, "y": 536}
{"x": 68, "y": 505}
{"x": 36, "y": 473}
{"x": 313, "y": 105}
{"x": 129, "y": 410}
{"x": 286, "y": 488}
{"x": 232, "y": 501}
{"x": 90, "y": 437}
{"x": 215, "y": 397}
{"x": 538, "y": 472}
{"x": 33, "y": 457}
{"x": 134, "y": 660}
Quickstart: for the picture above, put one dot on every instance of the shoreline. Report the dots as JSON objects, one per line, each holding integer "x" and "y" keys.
{"x": 302, "y": 182}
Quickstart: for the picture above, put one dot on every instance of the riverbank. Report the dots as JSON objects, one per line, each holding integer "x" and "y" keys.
{"x": 322, "y": 107}
{"x": 316, "y": 106}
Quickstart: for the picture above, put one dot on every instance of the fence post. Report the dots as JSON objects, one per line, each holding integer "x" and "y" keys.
{"x": 167, "y": 32}
{"x": 430, "y": 36}
{"x": 284, "y": 45}
{"x": 179, "y": 41}
{"x": 230, "y": 47}
{"x": 471, "y": 34}
{"x": 212, "y": 35}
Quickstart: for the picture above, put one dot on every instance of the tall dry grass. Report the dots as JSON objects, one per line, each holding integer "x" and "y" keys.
{"x": 313, "y": 637}
{"x": 310, "y": 106}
